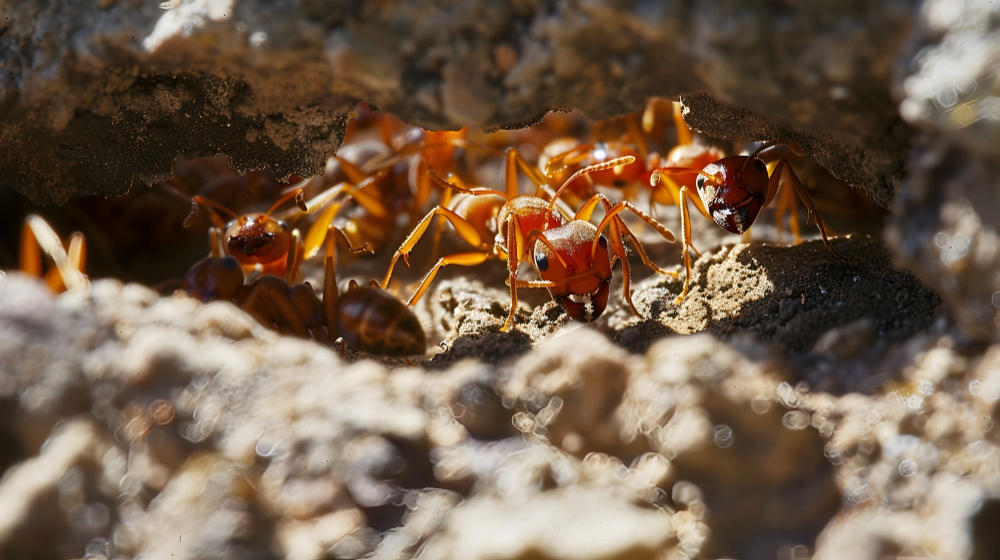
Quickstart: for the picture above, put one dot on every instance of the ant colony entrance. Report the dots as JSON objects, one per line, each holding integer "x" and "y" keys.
{"x": 567, "y": 205}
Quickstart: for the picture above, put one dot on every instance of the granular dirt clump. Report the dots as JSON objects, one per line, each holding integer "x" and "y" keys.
{"x": 791, "y": 296}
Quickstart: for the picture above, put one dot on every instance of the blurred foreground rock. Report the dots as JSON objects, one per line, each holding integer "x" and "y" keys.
{"x": 141, "y": 426}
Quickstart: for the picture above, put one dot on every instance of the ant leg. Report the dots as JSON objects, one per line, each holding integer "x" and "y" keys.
{"x": 626, "y": 205}
{"x": 684, "y": 135}
{"x": 330, "y": 297}
{"x": 353, "y": 173}
{"x": 293, "y": 259}
{"x": 461, "y": 259}
{"x": 513, "y": 263}
{"x": 318, "y": 230}
{"x": 635, "y": 133}
{"x": 531, "y": 171}
{"x": 422, "y": 193}
{"x": 476, "y": 191}
{"x": 271, "y": 295}
{"x": 617, "y": 228}
{"x": 30, "y": 254}
{"x": 77, "y": 252}
{"x": 686, "y": 240}
{"x": 534, "y": 283}
{"x": 573, "y": 156}
{"x": 439, "y": 226}
{"x": 215, "y": 247}
{"x": 37, "y": 236}
{"x": 510, "y": 175}
{"x": 791, "y": 210}
{"x": 385, "y": 161}
{"x": 806, "y": 200}
{"x": 306, "y": 304}
{"x": 626, "y": 275}
{"x": 785, "y": 207}
{"x": 461, "y": 225}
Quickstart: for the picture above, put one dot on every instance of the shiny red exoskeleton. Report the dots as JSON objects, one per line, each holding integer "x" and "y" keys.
{"x": 733, "y": 191}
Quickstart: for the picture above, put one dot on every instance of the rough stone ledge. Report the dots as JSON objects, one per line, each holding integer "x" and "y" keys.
{"x": 97, "y": 97}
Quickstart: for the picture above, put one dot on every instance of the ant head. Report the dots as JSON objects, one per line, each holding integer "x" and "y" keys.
{"x": 214, "y": 278}
{"x": 583, "y": 279}
{"x": 254, "y": 240}
{"x": 735, "y": 194}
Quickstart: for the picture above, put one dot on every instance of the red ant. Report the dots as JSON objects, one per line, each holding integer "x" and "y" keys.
{"x": 365, "y": 318}
{"x": 568, "y": 253}
{"x": 733, "y": 191}
{"x": 263, "y": 245}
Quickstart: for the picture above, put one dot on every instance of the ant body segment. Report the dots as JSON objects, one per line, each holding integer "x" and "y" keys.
{"x": 366, "y": 318}
{"x": 568, "y": 253}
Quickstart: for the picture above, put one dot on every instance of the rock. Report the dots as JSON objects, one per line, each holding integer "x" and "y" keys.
{"x": 946, "y": 225}
{"x": 947, "y": 231}
{"x": 191, "y": 430}
{"x": 873, "y": 163}
{"x": 949, "y": 85}
{"x": 744, "y": 288}
{"x": 272, "y": 86}
{"x": 577, "y": 523}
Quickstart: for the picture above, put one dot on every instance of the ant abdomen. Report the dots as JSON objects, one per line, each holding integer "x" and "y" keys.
{"x": 372, "y": 321}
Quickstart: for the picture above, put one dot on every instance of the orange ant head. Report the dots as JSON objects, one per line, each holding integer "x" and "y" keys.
{"x": 214, "y": 278}
{"x": 735, "y": 195}
{"x": 583, "y": 279}
{"x": 253, "y": 240}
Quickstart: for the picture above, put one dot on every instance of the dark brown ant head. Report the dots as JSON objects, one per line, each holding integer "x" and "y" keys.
{"x": 733, "y": 191}
{"x": 253, "y": 240}
{"x": 214, "y": 278}
{"x": 582, "y": 276}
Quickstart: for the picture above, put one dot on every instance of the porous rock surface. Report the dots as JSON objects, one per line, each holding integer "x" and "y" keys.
{"x": 104, "y": 95}
{"x": 947, "y": 223}
{"x": 139, "y": 425}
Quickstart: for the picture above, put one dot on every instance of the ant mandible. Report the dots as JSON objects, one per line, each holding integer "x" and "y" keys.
{"x": 366, "y": 318}
{"x": 568, "y": 253}
{"x": 733, "y": 191}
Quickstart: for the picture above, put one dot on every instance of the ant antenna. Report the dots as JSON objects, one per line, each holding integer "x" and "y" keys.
{"x": 300, "y": 201}
{"x": 215, "y": 207}
{"x": 761, "y": 148}
{"x": 624, "y": 160}
{"x": 654, "y": 178}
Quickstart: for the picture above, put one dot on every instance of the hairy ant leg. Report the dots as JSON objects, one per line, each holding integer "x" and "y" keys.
{"x": 461, "y": 225}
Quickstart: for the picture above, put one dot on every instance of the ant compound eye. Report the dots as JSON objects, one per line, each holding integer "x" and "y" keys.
{"x": 700, "y": 181}
{"x": 603, "y": 241}
{"x": 541, "y": 261}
